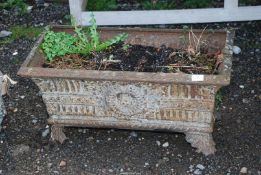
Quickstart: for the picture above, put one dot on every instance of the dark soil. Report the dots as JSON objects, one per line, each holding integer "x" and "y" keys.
{"x": 141, "y": 59}
{"x": 24, "y": 151}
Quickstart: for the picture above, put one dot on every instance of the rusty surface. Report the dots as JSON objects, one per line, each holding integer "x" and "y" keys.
{"x": 133, "y": 100}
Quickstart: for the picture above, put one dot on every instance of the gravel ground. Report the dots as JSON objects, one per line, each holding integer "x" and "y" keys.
{"x": 26, "y": 148}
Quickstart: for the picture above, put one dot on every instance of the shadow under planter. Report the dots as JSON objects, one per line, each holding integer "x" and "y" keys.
{"x": 134, "y": 100}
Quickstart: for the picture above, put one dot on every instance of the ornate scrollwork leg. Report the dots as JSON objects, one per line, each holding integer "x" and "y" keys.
{"x": 202, "y": 141}
{"x": 57, "y": 133}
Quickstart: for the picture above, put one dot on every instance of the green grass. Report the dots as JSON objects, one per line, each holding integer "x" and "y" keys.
{"x": 101, "y": 5}
{"x": 20, "y": 5}
{"x": 19, "y": 32}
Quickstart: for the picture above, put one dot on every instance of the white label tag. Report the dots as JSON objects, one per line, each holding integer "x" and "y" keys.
{"x": 197, "y": 77}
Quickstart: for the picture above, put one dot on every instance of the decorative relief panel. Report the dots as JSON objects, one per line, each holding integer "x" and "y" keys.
{"x": 128, "y": 101}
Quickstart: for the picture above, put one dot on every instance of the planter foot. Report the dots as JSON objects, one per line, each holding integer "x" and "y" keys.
{"x": 57, "y": 134}
{"x": 202, "y": 141}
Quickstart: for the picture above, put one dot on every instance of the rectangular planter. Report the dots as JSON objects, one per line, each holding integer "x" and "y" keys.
{"x": 134, "y": 100}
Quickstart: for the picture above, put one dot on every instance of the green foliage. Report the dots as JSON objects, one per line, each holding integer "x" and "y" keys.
{"x": 101, "y": 5}
{"x": 249, "y": 2}
{"x": 197, "y": 3}
{"x": 157, "y": 4}
{"x": 126, "y": 47}
{"x": 20, "y": 5}
{"x": 83, "y": 42}
{"x": 19, "y": 32}
{"x": 218, "y": 99}
{"x": 58, "y": 44}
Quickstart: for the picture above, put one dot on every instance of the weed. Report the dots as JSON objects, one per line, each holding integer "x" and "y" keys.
{"x": 101, "y": 5}
{"x": 83, "y": 42}
{"x": 195, "y": 42}
{"x": 19, "y": 32}
{"x": 20, "y": 5}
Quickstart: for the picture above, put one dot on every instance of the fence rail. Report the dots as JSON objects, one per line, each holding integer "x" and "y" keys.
{"x": 230, "y": 12}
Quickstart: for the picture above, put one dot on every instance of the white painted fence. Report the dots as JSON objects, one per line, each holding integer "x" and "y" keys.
{"x": 230, "y": 12}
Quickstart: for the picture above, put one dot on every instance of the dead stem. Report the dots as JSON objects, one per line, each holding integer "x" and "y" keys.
{"x": 186, "y": 67}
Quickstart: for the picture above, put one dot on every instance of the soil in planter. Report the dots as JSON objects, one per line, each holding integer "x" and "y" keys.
{"x": 141, "y": 59}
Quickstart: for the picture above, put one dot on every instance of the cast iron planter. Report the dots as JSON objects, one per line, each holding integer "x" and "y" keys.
{"x": 134, "y": 100}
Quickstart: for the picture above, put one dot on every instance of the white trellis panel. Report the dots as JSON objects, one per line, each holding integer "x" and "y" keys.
{"x": 230, "y": 12}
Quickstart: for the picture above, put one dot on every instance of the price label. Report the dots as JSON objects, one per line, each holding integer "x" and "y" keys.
{"x": 197, "y": 77}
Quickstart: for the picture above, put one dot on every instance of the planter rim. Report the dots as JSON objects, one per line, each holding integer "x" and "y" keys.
{"x": 221, "y": 79}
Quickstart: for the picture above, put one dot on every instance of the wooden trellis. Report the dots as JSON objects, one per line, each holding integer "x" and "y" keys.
{"x": 230, "y": 12}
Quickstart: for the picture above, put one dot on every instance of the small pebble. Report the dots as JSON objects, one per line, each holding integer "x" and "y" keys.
{"x": 29, "y": 9}
{"x": 245, "y": 100}
{"x": 158, "y": 143}
{"x": 15, "y": 110}
{"x": 197, "y": 172}
{"x": 191, "y": 168}
{"x": 242, "y": 86}
{"x": 62, "y": 163}
{"x": 133, "y": 134}
{"x": 179, "y": 155}
{"x": 166, "y": 144}
{"x": 243, "y": 170}
{"x": 236, "y": 50}
{"x": 166, "y": 159}
{"x": 199, "y": 166}
{"x": 45, "y": 132}
{"x": 49, "y": 165}
{"x": 5, "y": 33}
{"x": 34, "y": 121}
{"x": 15, "y": 53}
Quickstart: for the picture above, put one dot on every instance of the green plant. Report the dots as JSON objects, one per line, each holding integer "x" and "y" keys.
{"x": 197, "y": 3}
{"x": 84, "y": 42}
{"x": 157, "y": 4}
{"x": 249, "y": 2}
{"x": 58, "y": 44}
{"x": 21, "y": 32}
{"x": 126, "y": 47}
{"x": 101, "y": 5}
{"x": 218, "y": 99}
{"x": 20, "y": 5}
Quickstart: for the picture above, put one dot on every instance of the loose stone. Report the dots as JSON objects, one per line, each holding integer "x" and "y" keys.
{"x": 243, "y": 170}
